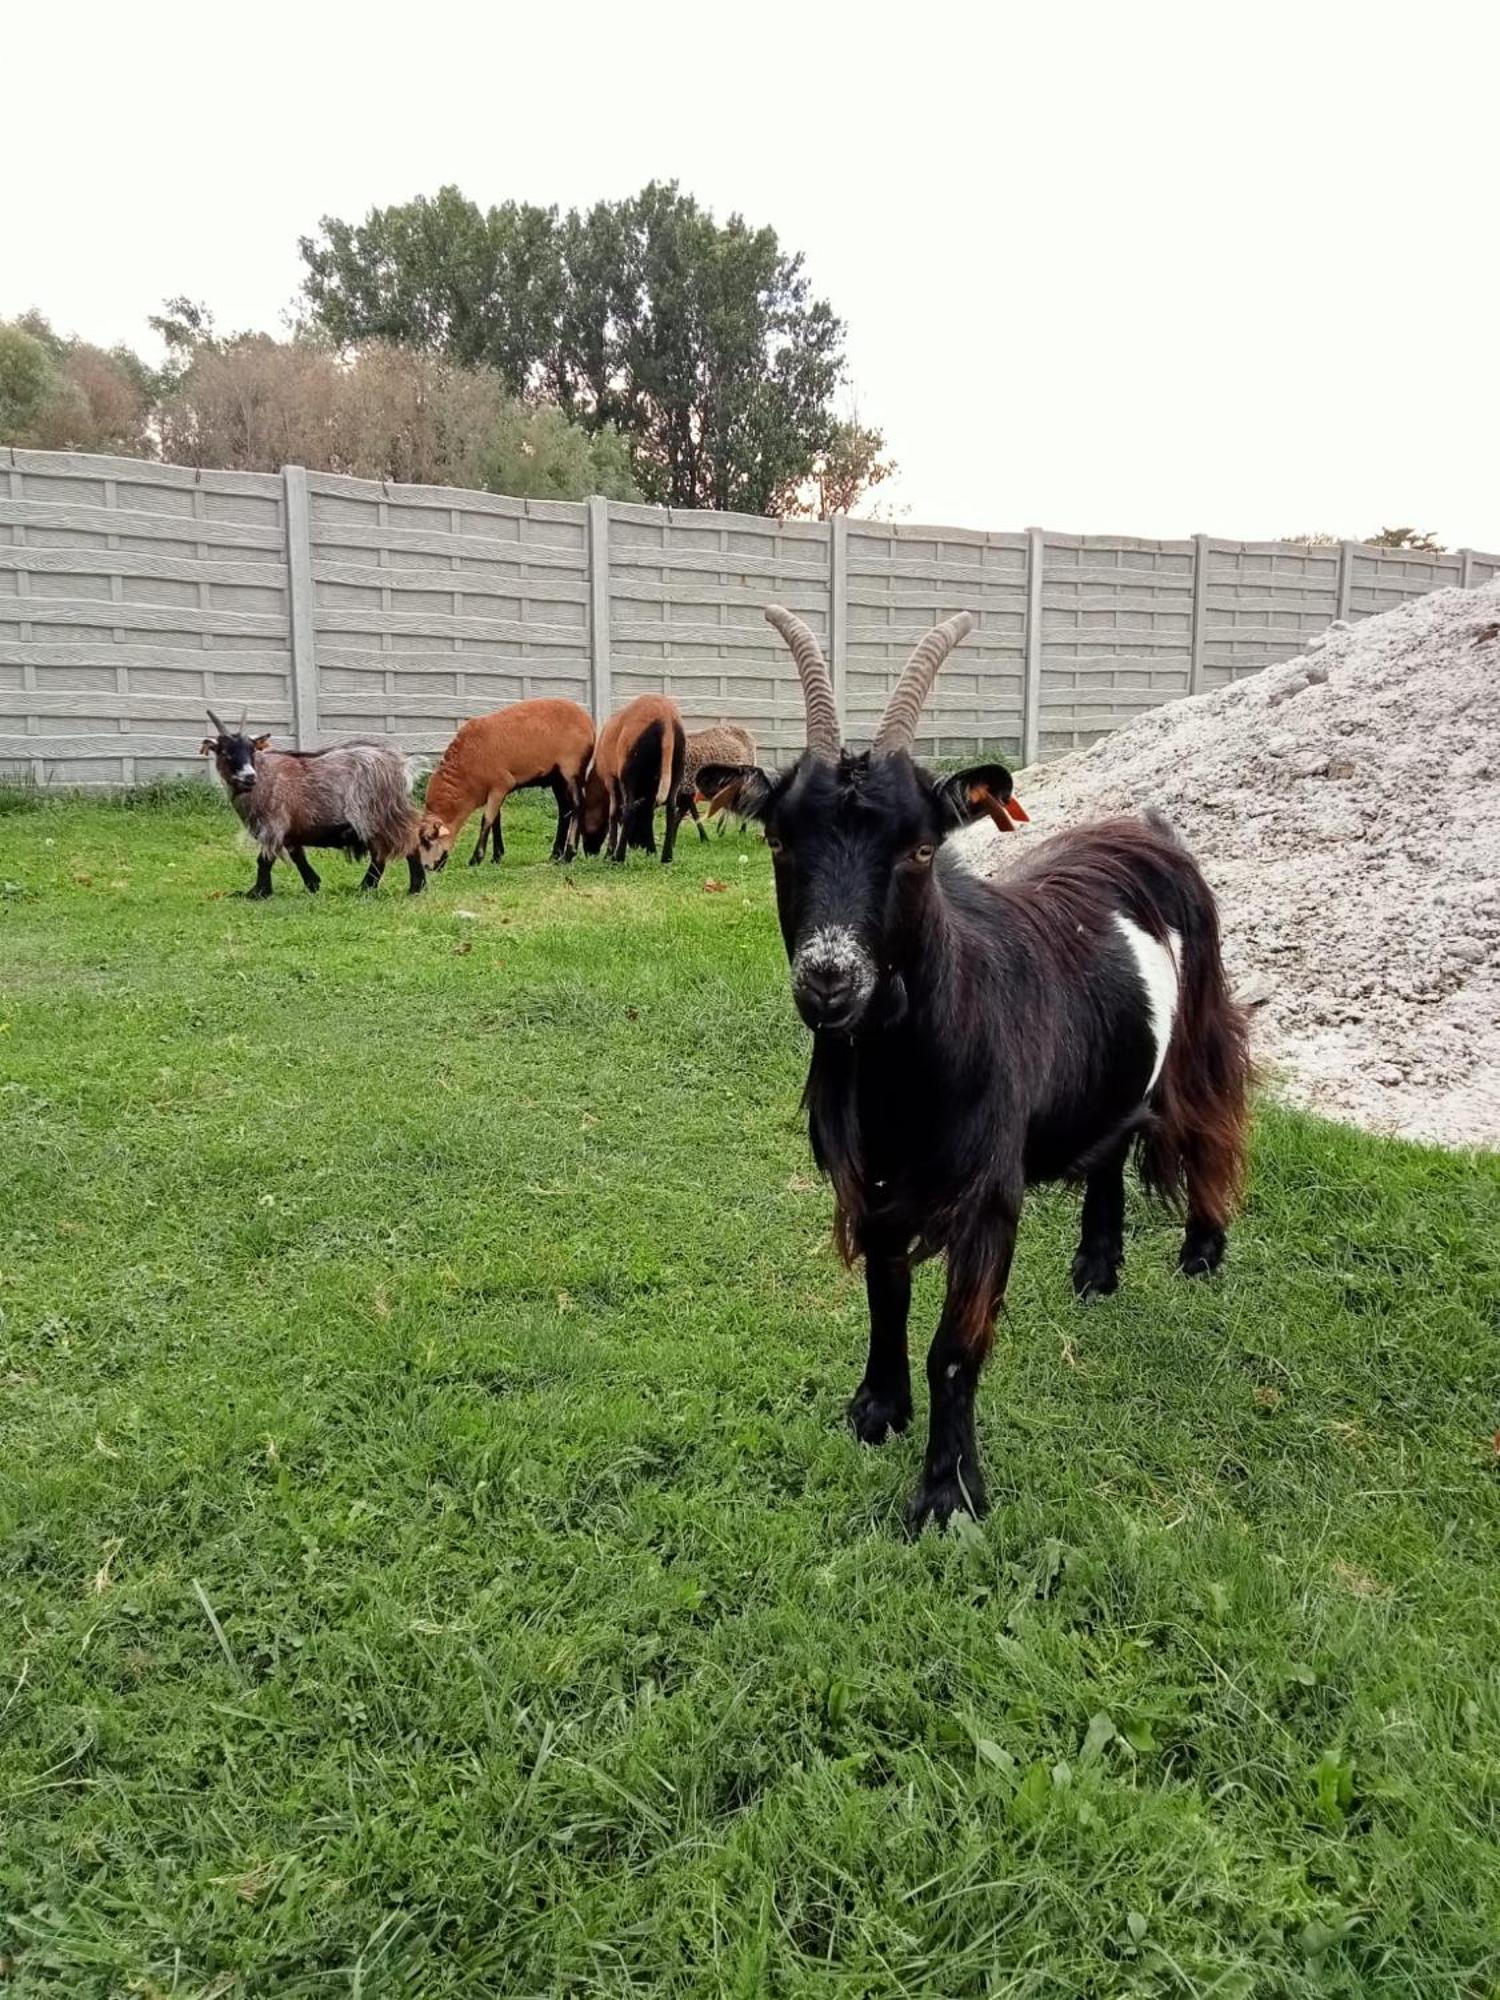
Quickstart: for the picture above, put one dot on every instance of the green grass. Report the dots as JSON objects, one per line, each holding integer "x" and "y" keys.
{"x": 432, "y": 1562}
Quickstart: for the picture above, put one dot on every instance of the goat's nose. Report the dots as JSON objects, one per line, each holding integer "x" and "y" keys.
{"x": 825, "y": 994}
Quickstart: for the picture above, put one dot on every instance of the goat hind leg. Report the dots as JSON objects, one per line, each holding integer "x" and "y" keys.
{"x": 305, "y": 869}
{"x": 1101, "y": 1246}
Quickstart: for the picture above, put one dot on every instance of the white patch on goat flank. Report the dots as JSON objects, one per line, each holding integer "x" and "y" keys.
{"x": 835, "y": 949}
{"x": 1157, "y": 964}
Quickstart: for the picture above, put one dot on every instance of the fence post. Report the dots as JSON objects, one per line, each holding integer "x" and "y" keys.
{"x": 300, "y": 605}
{"x": 600, "y": 691}
{"x": 1466, "y": 569}
{"x": 1200, "y": 613}
{"x": 1031, "y": 691}
{"x": 1346, "y": 579}
{"x": 838, "y": 613}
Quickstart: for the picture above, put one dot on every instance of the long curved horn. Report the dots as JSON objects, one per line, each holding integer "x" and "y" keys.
{"x": 899, "y": 723}
{"x": 817, "y": 688}
{"x": 219, "y": 727}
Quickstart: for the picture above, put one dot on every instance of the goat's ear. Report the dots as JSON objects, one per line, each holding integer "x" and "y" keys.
{"x": 983, "y": 788}
{"x": 751, "y": 787}
{"x": 208, "y": 747}
{"x": 261, "y": 742}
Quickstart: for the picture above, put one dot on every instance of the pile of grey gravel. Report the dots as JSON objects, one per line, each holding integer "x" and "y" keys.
{"x": 1346, "y": 808}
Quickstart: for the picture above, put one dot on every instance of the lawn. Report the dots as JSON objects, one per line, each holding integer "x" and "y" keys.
{"x": 432, "y": 1561}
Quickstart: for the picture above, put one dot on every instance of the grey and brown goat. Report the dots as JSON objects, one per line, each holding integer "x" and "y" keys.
{"x": 354, "y": 796}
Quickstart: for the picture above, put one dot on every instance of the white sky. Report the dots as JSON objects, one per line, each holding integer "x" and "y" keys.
{"x": 1145, "y": 268}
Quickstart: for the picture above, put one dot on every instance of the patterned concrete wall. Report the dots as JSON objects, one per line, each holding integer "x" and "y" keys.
{"x": 132, "y": 597}
{"x": 900, "y": 582}
{"x": 431, "y": 605}
{"x": 687, "y": 593}
{"x": 135, "y": 596}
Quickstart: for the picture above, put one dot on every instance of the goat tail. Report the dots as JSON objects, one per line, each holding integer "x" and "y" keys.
{"x": 1192, "y": 1151}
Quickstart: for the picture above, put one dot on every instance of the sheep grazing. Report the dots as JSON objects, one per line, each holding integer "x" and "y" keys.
{"x": 637, "y": 767}
{"x": 355, "y": 796}
{"x": 972, "y": 1038}
{"x": 725, "y": 743}
{"x": 529, "y": 743}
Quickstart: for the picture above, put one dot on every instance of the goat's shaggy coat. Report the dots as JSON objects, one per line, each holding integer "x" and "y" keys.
{"x": 973, "y": 1038}
{"x": 353, "y": 796}
{"x": 723, "y": 743}
{"x": 544, "y": 742}
{"x": 638, "y": 763}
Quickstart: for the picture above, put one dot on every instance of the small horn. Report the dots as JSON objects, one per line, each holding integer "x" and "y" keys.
{"x": 244, "y": 718}
{"x": 817, "y": 688}
{"x": 218, "y": 726}
{"x": 902, "y": 712}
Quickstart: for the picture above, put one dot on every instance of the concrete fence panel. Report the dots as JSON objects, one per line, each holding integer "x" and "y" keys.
{"x": 901, "y": 582}
{"x": 687, "y": 597}
{"x": 135, "y": 596}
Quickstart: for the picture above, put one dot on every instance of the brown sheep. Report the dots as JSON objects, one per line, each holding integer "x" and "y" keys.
{"x": 724, "y": 743}
{"x": 637, "y": 767}
{"x": 544, "y": 742}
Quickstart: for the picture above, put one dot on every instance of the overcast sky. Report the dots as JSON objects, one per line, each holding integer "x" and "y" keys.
{"x": 1150, "y": 269}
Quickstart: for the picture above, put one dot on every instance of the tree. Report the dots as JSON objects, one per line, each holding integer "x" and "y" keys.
{"x": 537, "y": 454}
{"x": 699, "y": 341}
{"x": 1406, "y": 538}
{"x": 58, "y": 394}
{"x": 445, "y": 277}
{"x": 251, "y": 403}
{"x": 851, "y": 466}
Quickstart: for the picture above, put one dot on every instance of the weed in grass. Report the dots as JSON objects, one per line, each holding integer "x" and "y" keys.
{"x": 432, "y": 1562}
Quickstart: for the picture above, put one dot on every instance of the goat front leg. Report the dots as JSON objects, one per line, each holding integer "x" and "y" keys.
{"x": 693, "y": 814}
{"x": 978, "y": 1266}
{"x": 262, "y": 887}
{"x": 416, "y": 872}
{"x": 881, "y": 1405}
{"x": 372, "y": 875}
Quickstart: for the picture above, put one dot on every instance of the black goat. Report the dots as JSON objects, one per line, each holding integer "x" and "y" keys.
{"x": 972, "y": 1038}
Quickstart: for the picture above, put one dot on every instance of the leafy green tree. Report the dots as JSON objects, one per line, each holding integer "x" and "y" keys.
{"x": 536, "y": 453}
{"x": 58, "y": 394}
{"x": 28, "y": 380}
{"x": 445, "y": 277}
{"x": 699, "y": 341}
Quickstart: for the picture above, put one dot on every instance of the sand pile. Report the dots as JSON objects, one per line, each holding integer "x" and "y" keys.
{"x": 1346, "y": 808}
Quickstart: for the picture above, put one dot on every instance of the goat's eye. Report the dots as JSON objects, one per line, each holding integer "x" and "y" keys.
{"x": 776, "y": 846}
{"x": 923, "y": 854}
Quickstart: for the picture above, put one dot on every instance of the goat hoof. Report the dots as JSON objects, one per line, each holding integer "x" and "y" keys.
{"x": 938, "y": 1500}
{"x": 313, "y": 887}
{"x": 1095, "y": 1274}
{"x": 872, "y": 1418}
{"x": 1201, "y": 1256}
{"x": 257, "y": 895}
